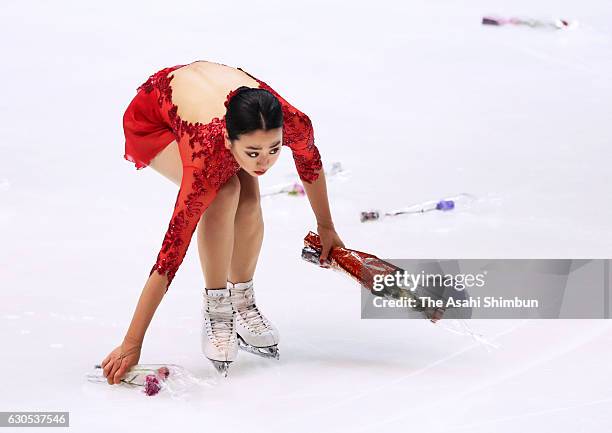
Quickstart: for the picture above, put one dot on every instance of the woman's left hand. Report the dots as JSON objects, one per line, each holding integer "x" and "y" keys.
{"x": 329, "y": 239}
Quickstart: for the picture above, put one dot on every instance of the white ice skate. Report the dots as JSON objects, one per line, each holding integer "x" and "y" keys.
{"x": 255, "y": 332}
{"x": 219, "y": 342}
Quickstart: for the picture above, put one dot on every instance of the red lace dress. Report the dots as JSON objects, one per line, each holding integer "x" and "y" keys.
{"x": 151, "y": 122}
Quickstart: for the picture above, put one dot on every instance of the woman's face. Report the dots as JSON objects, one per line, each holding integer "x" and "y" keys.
{"x": 256, "y": 151}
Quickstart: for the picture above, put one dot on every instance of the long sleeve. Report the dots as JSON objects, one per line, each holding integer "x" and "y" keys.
{"x": 194, "y": 196}
{"x": 298, "y": 134}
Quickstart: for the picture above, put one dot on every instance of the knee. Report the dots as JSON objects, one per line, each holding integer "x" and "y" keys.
{"x": 230, "y": 191}
{"x": 249, "y": 206}
{"x": 224, "y": 203}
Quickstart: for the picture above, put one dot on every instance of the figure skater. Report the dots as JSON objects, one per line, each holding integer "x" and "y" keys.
{"x": 213, "y": 130}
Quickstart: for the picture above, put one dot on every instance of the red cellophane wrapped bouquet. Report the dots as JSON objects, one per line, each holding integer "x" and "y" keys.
{"x": 363, "y": 267}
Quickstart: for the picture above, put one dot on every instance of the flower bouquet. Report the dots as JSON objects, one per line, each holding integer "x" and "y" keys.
{"x": 151, "y": 378}
{"x": 295, "y": 188}
{"x": 556, "y": 23}
{"x": 363, "y": 267}
{"x": 444, "y": 205}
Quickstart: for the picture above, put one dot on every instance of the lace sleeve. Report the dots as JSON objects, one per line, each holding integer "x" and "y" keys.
{"x": 298, "y": 134}
{"x": 194, "y": 196}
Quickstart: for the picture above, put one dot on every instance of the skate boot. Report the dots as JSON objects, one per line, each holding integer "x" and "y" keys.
{"x": 255, "y": 332}
{"x": 219, "y": 343}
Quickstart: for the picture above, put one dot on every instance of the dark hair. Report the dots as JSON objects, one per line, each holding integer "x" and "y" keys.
{"x": 250, "y": 109}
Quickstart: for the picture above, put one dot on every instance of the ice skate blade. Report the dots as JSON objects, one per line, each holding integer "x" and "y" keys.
{"x": 265, "y": 352}
{"x": 222, "y": 367}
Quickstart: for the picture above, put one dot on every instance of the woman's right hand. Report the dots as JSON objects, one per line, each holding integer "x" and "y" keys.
{"x": 118, "y": 362}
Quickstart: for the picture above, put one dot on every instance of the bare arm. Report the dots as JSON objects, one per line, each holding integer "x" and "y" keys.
{"x": 317, "y": 195}
{"x": 127, "y": 354}
{"x": 150, "y": 298}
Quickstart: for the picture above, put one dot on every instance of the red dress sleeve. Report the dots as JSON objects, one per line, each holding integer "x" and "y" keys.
{"x": 194, "y": 196}
{"x": 298, "y": 135}
{"x": 207, "y": 166}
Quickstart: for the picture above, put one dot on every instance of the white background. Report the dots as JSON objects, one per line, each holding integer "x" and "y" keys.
{"x": 419, "y": 101}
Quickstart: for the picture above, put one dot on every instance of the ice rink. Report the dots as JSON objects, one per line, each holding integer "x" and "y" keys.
{"x": 418, "y": 101}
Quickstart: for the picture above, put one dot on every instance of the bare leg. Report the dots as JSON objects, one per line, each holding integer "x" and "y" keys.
{"x": 256, "y": 334}
{"x": 168, "y": 163}
{"x": 248, "y": 230}
{"x": 216, "y": 234}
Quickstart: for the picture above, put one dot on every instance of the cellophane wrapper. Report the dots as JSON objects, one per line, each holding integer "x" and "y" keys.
{"x": 363, "y": 267}
{"x": 171, "y": 379}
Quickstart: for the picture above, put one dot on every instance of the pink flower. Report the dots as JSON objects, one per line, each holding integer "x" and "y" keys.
{"x": 152, "y": 386}
{"x": 163, "y": 372}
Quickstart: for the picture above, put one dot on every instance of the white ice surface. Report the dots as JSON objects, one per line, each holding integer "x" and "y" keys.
{"x": 419, "y": 101}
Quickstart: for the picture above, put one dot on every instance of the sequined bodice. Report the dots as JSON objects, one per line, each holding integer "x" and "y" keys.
{"x": 208, "y": 164}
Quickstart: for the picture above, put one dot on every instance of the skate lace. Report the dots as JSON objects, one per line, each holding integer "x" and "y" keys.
{"x": 221, "y": 316}
{"x": 244, "y": 303}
